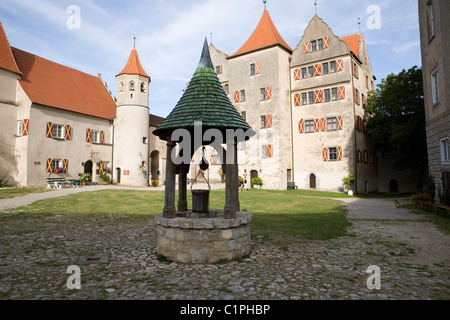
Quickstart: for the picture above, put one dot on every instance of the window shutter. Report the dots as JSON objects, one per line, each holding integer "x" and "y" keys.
{"x": 341, "y": 93}
{"x": 326, "y": 42}
{"x": 339, "y": 65}
{"x": 268, "y": 93}
{"x": 297, "y": 74}
{"x": 325, "y": 154}
{"x": 269, "y": 121}
{"x": 102, "y": 137}
{"x": 257, "y": 67}
{"x": 65, "y": 165}
{"x": 316, "y": 125}
{"x": 340, "y": 123}
{"x": 49, "y": 165}
{"x": 339, "y": 153}
{"x": 100, "y": 167}
{"x": 269, "y": 151}
{"x": 297, "y": 99}
{"x": 317, "y": 70}
{"x": 49, "y": 130}
{"x": 68, "y": 132}
{"x": 307, "y": 47}
{"x": 25, "y": 127}
{"x": 323, "y": 124}
{"x": 301, "y": 126}
{"x": 88, "y": 135}
{"x": 236, "y": 97}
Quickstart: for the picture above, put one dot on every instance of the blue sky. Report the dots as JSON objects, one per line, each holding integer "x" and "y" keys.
{"x": 170, "y": 33}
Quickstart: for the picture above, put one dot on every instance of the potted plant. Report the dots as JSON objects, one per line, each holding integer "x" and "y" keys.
{"x": 348, "y": 183}
{"x": 257, "y": 182}
{"x": 105, "y": 177}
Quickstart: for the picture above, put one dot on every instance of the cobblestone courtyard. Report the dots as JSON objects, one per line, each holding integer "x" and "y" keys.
{"x": 116, "y": 255}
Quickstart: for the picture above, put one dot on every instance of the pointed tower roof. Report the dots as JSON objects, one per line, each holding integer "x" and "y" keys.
{"x": 265, "y": 36}
{"x": 204, "y": 100}
{"x": 7, "y": 60}
{"x": 134, "y": 66}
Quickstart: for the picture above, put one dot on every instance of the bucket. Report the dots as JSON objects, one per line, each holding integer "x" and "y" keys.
{"x": 200, "y": 201}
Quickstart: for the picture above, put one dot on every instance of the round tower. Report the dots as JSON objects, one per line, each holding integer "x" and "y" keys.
{"x": 131, "y": 129}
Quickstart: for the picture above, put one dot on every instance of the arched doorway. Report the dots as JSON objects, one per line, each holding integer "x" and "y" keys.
{"x": 393, "y": 186}
{"x": 88, "y": 165}
{"x": 253, "y": 174}
{"x": 312, "y": 181}
{"x": 154, "y": 165}
{"x": 118, "y": 175}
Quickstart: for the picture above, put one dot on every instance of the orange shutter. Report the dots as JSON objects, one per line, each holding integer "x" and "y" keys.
{"x": 341, "y": 93}
{"x": 269, "y": 121}
{"x": 323, "y": 124}
{"x": 258, "y": 68}
{"x": 65, "y": 165}
{"x": 25, "y": 127}
{"x": 88, "y": 135}
{"x": 326, "y": 42}
{"x": 49, "y": 165}
{"x": 339, "y": 153}
{"x": 307, "y": 47}
{"x": 68, "y": 133}
{"x": 102, "y": 137}
{"x": 316, "y": 125}
{"x": 301, "y": 126}
{"x": 339, "y": 65}
{"x": 269, "y": 151}
{"x": 236, "y": 97}
{"x": 340, "y": 123}
{"x": 297, "y": 99}
{"x": 268, "y": 93}
{"x": 49, "y": 130}
{"x": 297, "y": 74}
{"x": 317, "y": 70}
{"x": 325, "y": 154}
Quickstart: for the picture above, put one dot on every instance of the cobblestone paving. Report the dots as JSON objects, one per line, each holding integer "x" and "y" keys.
{"x": 116, "y": 255}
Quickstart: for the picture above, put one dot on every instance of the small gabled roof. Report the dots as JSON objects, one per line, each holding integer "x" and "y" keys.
{"x": 134, "y": 66}
{"x": 7, "y": 60}
{"x": 50, "y": 84}
{"x": 353, "y": 43}
{"x": 265, "y": 35}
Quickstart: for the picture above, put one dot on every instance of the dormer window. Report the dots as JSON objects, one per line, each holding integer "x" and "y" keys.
{"x": 131, "y": 86}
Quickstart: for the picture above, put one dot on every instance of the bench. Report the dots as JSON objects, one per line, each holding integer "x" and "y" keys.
{"x": 291, "y": 186}
{"x": 59, "y": 183}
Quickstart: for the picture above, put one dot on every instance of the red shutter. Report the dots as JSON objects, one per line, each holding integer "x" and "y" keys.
{"x": 49, "y": 165}
{"x": 307, "y": 47}
{"x": 340, "y": 123}
{"x": 339, "y": 65}
{"x": 269, "y": 121}
{"x": 325, "y": 154}
{"x": 269, "y": 151}
{"x": 323, "y": 124}
{"x": 316, "y": 125}
{"x": 297, "y": 74}
{"x": 326, "y": 42}
{"x": 341, "y": 93}
{"x": 25, "y": 127}
{"x": 88, "y": 135}
{"x": 258, "y": 68}
{"x": 237, "y": 97}
{"x": 68, "y": 133}
{"x": 318, "y": 96}
{"x": 301, "y": 126}
{"x": 317, "y": 70}
{"x": 297, "y": 99}
{"x": 65, "y": 165}
{"x": 268, "y": 93}
{"x": 49, "y": 130}
{"x": 102, "y": 137}
{"x": 339, "y": 153}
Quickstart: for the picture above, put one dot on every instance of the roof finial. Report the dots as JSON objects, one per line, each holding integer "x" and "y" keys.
{"x": 359, "y": 24}
{"x": 265, "y": 6}
{"x": 315, "y": 5}
{"x": 134, "y": 42}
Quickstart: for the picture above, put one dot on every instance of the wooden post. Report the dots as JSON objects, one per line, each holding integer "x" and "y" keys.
{"x": 232, "y": 181}
{"x": 169, "y": 205}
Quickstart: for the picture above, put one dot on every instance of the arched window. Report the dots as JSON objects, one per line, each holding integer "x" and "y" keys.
{"x": 131, "y": 86}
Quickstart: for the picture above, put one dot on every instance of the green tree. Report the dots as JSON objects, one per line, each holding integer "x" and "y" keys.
{"x": 397, "y": 121}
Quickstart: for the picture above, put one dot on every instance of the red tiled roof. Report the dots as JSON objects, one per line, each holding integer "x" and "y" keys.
{"x": 54, "y": 85}
{"x": 353, "y": 43}
{"x": 134, "y": 65}
{"x": 265, "y": 35}
{"x": 7, "y": 61}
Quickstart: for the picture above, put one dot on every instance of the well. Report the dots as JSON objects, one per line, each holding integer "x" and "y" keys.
{"x": 188, "y": 239}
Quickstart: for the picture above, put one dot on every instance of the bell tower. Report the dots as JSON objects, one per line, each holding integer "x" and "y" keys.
{"x": 131, "y": 128}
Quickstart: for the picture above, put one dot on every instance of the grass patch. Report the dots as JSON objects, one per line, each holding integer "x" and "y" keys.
{"x": 6, "y": 193}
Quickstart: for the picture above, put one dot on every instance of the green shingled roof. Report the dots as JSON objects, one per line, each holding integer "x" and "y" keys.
{"x": 204, "y": 100}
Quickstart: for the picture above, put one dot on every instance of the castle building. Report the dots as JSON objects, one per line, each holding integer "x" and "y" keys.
{"x": 307, "y": 106}
{"x": 60, "y": 122}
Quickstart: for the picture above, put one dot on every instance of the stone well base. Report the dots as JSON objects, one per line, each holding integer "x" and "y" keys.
{"x": 189, "y": 239}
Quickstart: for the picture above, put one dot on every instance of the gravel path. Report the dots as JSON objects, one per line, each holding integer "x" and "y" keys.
{"x": 116, "y": 256}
